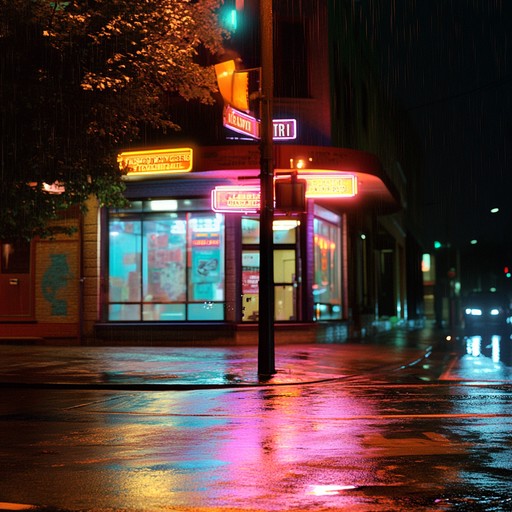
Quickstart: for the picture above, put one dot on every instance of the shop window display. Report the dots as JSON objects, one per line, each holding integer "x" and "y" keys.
{"x": 327, "y": 264}
{"x": 166, "y": 265}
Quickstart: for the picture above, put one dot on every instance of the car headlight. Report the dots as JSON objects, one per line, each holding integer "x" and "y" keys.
{"x": 494, "y": 312}
{"x": 474, "y": 311}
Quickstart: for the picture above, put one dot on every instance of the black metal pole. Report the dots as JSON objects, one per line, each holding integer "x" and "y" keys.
{"x": 266, "y": 350}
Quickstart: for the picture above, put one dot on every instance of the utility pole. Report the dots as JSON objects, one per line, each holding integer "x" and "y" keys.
{"x": 266, "y": 349}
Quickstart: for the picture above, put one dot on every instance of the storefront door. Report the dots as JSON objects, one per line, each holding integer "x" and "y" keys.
{"x": 15, "y": 281}
{"x": 286, "y": 273}
{"x": 285, "y": 285}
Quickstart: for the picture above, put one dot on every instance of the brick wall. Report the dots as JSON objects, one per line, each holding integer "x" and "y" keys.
{"x": 91, "y": 267}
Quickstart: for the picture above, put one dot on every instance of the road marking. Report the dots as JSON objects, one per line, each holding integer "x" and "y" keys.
{"x": 15, "y": 506}
{"x": 430, "y": 443}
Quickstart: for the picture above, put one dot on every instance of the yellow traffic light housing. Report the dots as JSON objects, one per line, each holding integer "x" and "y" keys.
{"x": 233, "y": 85}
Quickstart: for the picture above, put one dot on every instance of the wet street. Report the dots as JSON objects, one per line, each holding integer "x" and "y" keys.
{"x": 421, "y": 433}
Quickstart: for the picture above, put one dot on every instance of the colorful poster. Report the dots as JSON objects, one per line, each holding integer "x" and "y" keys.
{"x": 250, "y": 280}
{"x": 206, "y": 258}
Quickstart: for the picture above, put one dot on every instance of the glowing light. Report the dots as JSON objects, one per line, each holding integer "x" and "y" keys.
{"x": 154, "y": 162}
{"x": 284, "y": 129}
{"x": 426, "y": 263}
{"x": 233, "y": 20}
{"x": 330, "y": 186}
{"x": 246, "y": 199}
{"x": 231, "y": 199}
{"x": 495, "y": 210}
{"x": 285, "y": 225}
{"x": 163, "y": 205}
{"x": 15, "y": 506}
{"x": 329, "y": 490}
{"x": 54, "y": 188}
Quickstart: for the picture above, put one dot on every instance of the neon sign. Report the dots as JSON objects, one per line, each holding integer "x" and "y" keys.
{"x": 241, "y": 199}
{"x": 247, "y": 199}
{"x": 159, "y": 161}
{"x": 330, "y": 186}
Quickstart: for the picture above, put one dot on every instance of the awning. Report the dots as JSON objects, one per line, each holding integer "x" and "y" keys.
{"x": 241, "y": 164}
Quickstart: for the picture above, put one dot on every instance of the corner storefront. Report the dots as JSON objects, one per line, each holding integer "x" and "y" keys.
{"x": 181, "y": 264}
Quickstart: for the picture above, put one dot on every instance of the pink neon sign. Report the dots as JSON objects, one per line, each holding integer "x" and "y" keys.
{"x": 241, "y": 199}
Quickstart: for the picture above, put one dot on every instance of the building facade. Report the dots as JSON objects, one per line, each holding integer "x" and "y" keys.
{"x": 181, "y": 263}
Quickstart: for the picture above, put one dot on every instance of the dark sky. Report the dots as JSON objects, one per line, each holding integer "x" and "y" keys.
{"x": 449, "y": 63}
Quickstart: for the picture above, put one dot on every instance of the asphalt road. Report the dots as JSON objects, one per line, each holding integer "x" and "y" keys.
{"x": 430, "y": 434}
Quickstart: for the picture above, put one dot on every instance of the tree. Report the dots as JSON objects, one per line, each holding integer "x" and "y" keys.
{"x": 79, "y": 79}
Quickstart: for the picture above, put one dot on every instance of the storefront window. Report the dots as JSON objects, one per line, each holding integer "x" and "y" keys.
{"x": 284, "y": 231}
{"x": 166, "y": 264}
{"x": 327, "y": 250}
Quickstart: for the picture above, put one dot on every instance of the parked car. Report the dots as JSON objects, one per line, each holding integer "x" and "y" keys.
{"x": 487, "y": 309}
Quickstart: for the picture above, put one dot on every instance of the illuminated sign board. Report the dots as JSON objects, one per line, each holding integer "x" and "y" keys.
{"x": 246, "y": 198}
{"x": 284, "y": 129}
{"x": 156, "y": 161}
{"x": 242, "y": 199}
{"x": 330, "y": 186}
{"x": 240, "y": 122}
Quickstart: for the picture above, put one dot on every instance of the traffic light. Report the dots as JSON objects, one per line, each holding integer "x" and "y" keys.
{"x": 290, "y": 194}
{"x": 229, "y": 14}
{"x": 507, "y": 272}
{"x": 233, "y": 85}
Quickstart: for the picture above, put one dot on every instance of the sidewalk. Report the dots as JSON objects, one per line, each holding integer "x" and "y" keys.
{"x": 183, "y": 368}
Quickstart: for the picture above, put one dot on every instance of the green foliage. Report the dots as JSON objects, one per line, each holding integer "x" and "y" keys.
{"x": 79, "y": 81}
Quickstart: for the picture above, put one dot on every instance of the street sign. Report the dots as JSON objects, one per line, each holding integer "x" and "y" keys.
{"x": 284, "y": 129}
{"x": 240, "y": 122}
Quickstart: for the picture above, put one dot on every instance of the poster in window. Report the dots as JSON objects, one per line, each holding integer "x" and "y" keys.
{"x": 206, "y": 258}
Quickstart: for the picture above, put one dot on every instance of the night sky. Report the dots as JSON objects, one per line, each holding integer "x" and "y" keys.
{"x": 449, "y": 64}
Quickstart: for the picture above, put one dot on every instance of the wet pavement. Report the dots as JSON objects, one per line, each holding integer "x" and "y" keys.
{"x": 392, "y": 423}
{"x": 139, "y": 368}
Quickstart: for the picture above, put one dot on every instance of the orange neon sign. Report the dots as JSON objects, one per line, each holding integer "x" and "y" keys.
{"x": 156, "y": 161}
{"x": 330, "y": 186}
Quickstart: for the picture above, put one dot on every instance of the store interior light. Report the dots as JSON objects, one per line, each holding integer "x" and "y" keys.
{"x": 163, "y": 205}
{"x": 285, "y": 224}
